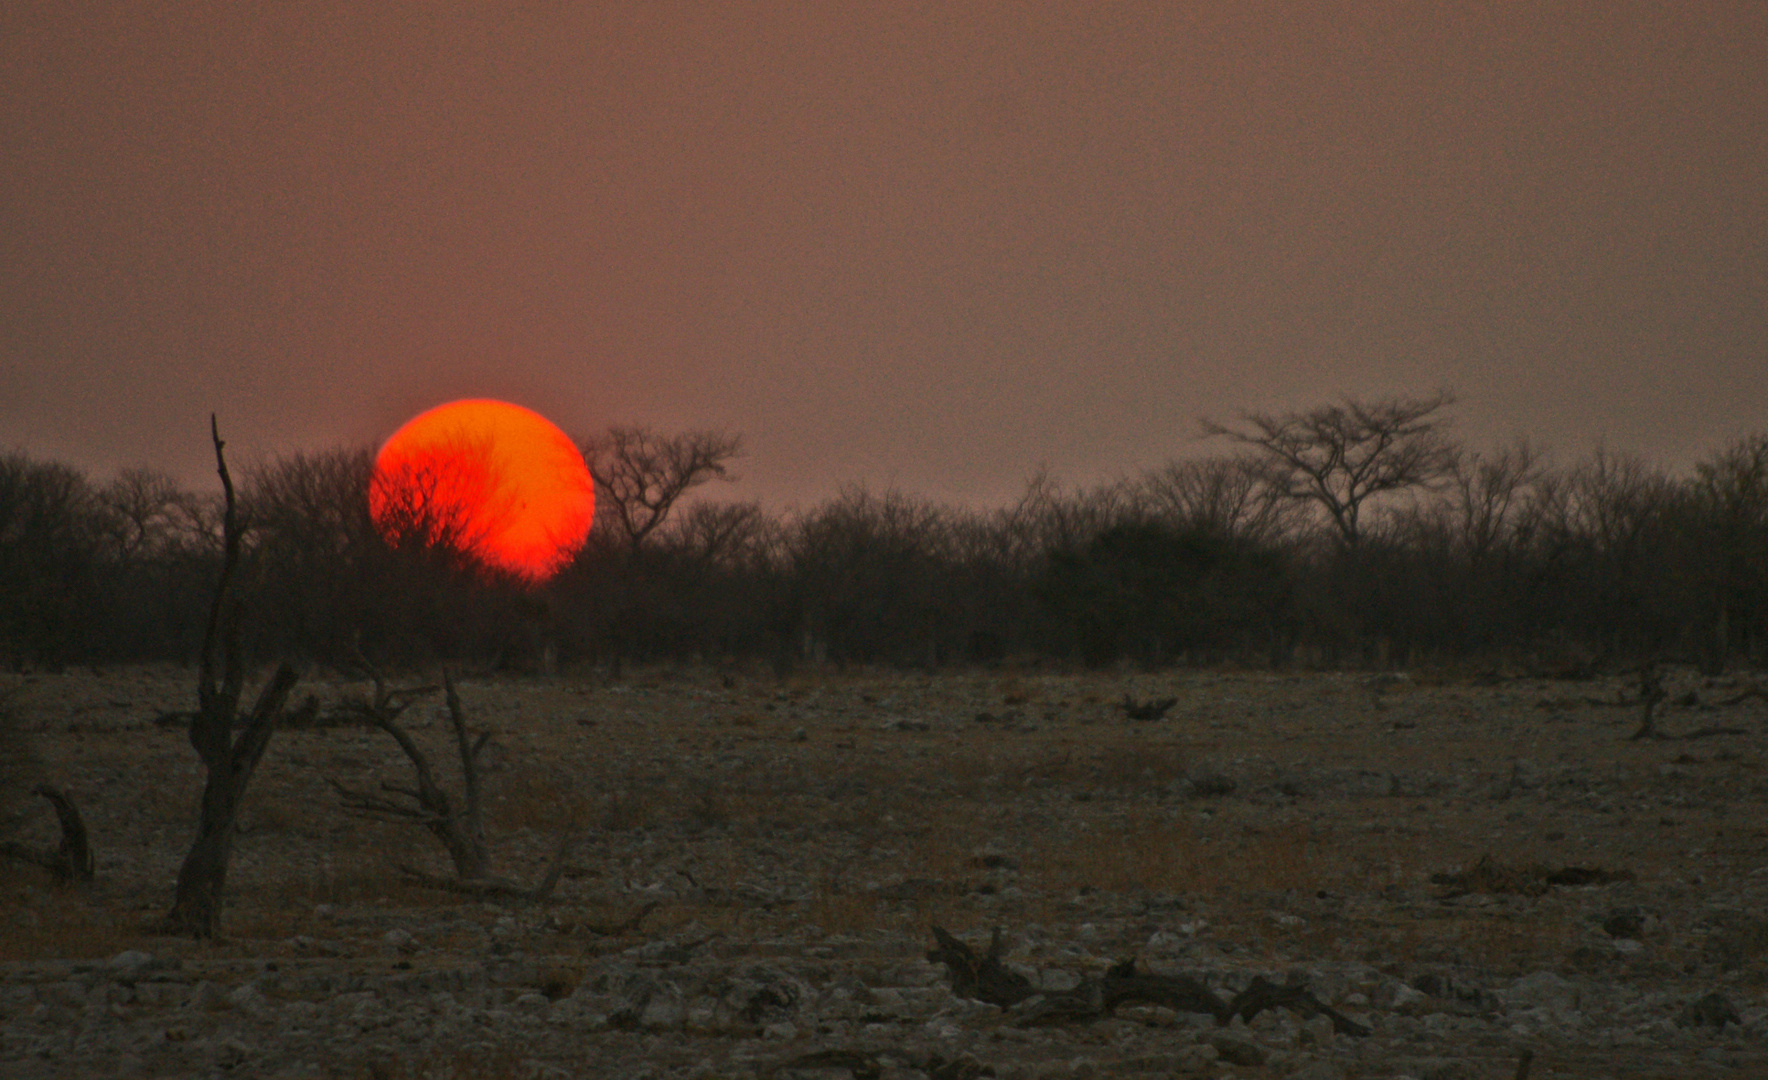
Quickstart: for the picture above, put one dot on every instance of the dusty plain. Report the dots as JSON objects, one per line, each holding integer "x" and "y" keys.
{"x": 761, "y": 860}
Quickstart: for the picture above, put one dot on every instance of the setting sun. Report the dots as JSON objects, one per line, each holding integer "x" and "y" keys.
{"x": 492, "y": 481}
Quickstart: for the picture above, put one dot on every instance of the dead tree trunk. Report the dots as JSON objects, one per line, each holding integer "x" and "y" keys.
{"x": 230, "y": 760}
{"x": 72, "y": 860}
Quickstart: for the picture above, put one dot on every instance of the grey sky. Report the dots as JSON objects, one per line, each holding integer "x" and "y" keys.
{"x": 928, "y": 245}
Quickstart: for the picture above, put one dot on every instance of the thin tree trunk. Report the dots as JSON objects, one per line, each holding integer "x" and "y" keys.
{"x": 202, "y": 880}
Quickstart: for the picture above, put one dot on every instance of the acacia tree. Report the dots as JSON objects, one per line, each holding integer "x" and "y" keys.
{"x": 229, "y": 759}
{"x": 640, "y": 475}
{"x": 1338, "y": 457}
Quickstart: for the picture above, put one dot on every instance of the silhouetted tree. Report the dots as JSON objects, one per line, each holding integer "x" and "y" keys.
{"x": 1147, "y": 590}
{"x": 640, "y": 475}
{"x": 1339, "y": 457}
{"x": 49, "y": 547}
{"x": 873, "y": 576}
{"x": 443, "y": 500}
{"x": 229, "y": 760}
{"x": 1730, "y": 493}
{"x": 1225, "y": 497}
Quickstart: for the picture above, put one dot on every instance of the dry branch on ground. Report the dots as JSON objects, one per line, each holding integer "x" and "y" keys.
{"x": 985, "y": 978}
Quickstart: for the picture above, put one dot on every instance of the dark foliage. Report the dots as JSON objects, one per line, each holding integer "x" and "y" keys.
{"x": 1151, "y": 592}
{"x": 1453, "y": 554}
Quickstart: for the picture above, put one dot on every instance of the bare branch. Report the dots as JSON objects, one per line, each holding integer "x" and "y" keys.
{"x": 640, "y": 475}
{"x": 1338, "y": 457}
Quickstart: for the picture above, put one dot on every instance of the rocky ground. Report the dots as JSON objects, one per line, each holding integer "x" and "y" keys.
{"x": 762, "y": 860}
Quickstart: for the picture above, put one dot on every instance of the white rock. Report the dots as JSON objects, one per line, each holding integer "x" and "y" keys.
{"x": 247, "y": 998}
{"x": 1318, "y": 1031}
{"x": 129, "y": 962}
{"x": 1543, "y": 989}
{"x": 1406, "y": 999}
{"x": 208, "y": 996}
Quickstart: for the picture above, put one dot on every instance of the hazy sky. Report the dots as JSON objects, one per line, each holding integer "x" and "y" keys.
{"x": 930, "y": 245}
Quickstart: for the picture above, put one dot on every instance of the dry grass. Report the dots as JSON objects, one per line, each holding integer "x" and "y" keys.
{"x": 62, "y": 924}
{"x": 1148, "y": 853}
{"x": 1500, "y": 943}
{"x": 355, "y": 875}
{"x": 535, "y": 797}
{"x": 1143, "y": 855}
{"x": 839, "y": 910}
{"x": 503, "y": 1063}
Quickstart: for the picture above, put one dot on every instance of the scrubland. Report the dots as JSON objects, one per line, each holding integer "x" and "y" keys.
{"x": 759, "y": 861}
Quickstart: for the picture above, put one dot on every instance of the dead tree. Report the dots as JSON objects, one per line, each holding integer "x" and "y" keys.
{"x": 230, "y": 745}
{"x": 458, "y": 823}
{"x": 71, "y": 861}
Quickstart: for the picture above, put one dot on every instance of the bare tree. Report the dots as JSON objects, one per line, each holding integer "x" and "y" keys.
{"x": 230, "y": 759}
{"x": 146, "y": 514}
{"x": 640, "y": 475}
{"x": 49, "y": 547}
{"x": 709, "y": 533}
{"x": 1338, "y": 457}
{"x": 1489, "y": 496}
{"x": 446, "y": 499}
{"x": 1047, "y": 518}
{"x": 458, "y": 823}
{"x": 1222, "y": 496}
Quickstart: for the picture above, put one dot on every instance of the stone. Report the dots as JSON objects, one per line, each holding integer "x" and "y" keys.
{"x": 130, "y": 962}
{"x": 1237, "y": 1049}
{"x": 248, "y": 999}
{"x": 209, "y": 997}
{"x": 1543, "y": 989}
{"x": 1318, "y": 1031}
{"x": 1713, "y": 1010}
{"x": 1401, "y": 998}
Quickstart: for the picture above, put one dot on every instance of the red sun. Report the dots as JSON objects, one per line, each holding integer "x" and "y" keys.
{"x": 492, "y": 482}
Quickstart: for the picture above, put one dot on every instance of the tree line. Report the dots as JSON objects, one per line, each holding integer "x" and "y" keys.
{"x": 1353, "y": 533}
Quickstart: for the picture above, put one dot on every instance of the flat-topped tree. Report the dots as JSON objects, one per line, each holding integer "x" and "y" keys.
{"x": 1338, "y": 457}
{"x": 229, "y": 744}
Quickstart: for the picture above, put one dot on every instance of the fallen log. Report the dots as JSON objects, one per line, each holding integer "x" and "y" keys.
{"x": 71, "y": 860}
{"x": 986, "y": 979}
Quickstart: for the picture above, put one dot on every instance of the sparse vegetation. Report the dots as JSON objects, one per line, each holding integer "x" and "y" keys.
{"x": 1357, "y": 533}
